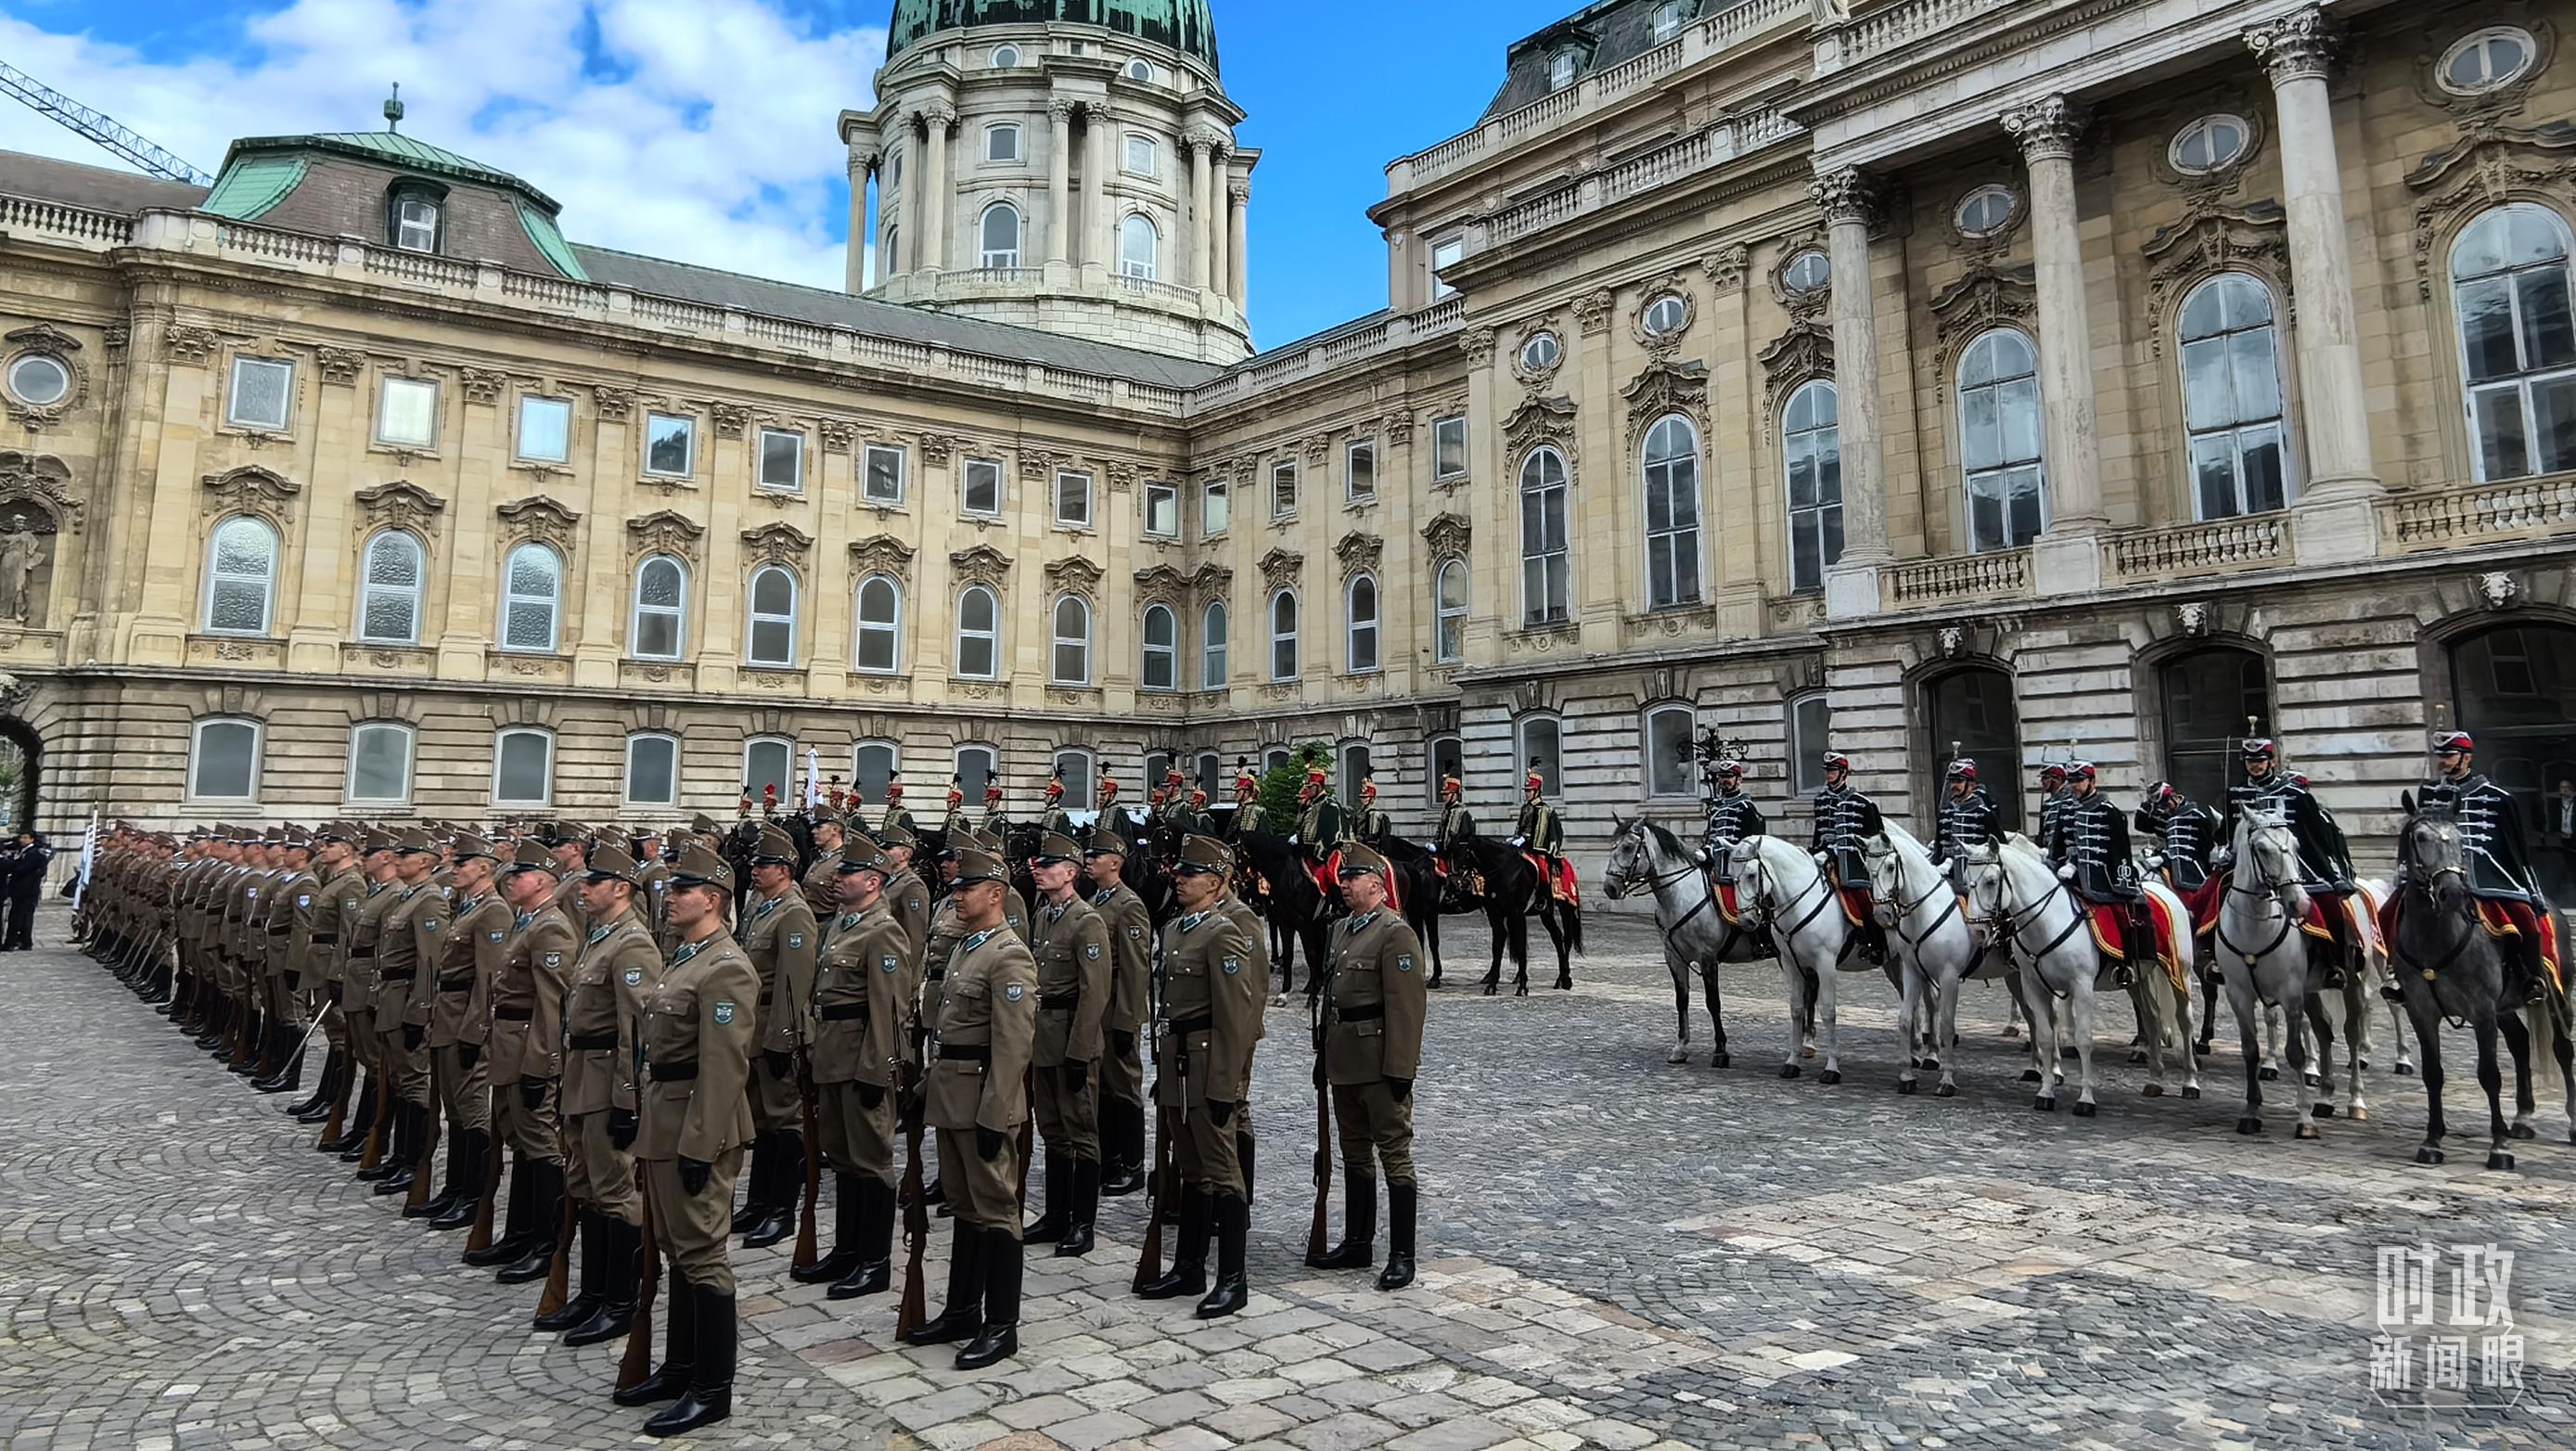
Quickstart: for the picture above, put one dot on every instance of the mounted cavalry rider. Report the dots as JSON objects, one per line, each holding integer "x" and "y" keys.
{"x": 1968, "y": 815}
{"x": 995, "y": 823}
{"x": 1732, "y": 817}
{"x": 956, "y": 816}
{"x": 1057, "y": 819}
{"x": 1191, "y": 818}
{"x": 2053, "y": 801}
{"x": 1108, "y": 807}
{"x": 895, "y": 814}
{"x": 1540, "y": 831}
{"x": 1370, "y": 823}
{"x": 2495, "y": 846}
{"x": 2092, "y": 847}
{"x": 2189, "y": 833}
{"x": 1843, "y": 817}
{"x": 1320, "y": 831}
{"x": 1450, "y": 844}
{"x": 2325, "y": 866}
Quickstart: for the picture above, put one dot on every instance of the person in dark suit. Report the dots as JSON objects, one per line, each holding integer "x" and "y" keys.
{"x": 23, "y": 871}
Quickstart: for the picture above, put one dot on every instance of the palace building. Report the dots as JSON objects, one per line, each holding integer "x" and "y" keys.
{"x": 2023, "y": 378}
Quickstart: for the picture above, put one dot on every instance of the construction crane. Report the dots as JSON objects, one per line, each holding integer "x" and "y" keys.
{"x": 98, "y": 127}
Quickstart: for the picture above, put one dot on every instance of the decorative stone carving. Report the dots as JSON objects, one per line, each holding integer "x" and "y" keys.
{"x": 982, "y": 565}
{"x": 2193, "y": 617}
{"x": 881, "y": 554}
{"x": 188, "y": 344}
{"x": 1161, "y": 583}
{"x": 2498, "y": 587}
{"x": 1804, "y": 352}
{"x": 400, "y": 504}
{"x": 480, "y": 385}
{"x": 339, "y": 367}
{"x": 1848, "y": 195}
{"x": 664, "y": 532}
{"x": 1478, "y": 345}
{"x": 22, "y": 554}
{"x": 1541, "y": 421}
{"x": 2208, "y": 240}
{"x": 1592, "y": 310}
{"x": 1038, "y": 466}
{"x": 1319, "y": 450}
{"x": 1359, "y": 553}
{"x": 540, "y": 520}
{"x": 777, "y": 542}
{"x": 1536, "y": 377}
{"x": 730, "y": 419}
{"x": 935, "y": 448}
{"x": 2301, "y": 45}
{"x": 1954, "y": 641}
{"x": 616, "y": 405}
{"x": 1280, "y": 568}
{"x": 1726, "y": 267}
{"x": 1668, "y": 342}
{"x": 1398, "y": 428}
{"x": 1448, "y": 535}
{"x": 47, "y": 341}
{"x": 43, "y": 481}
{"x": 2448, "y": 25}
{"x": 251, "y": 489}
{"x": 2490, "y": 164}
{"x": 839, "y": 435}
{"x": 1073, "y": 572}
{"x": 1663, "y": 388}
{"x": 1122, "y": 476}
{"x": 2048, "y": 128}
{"x": 1212, "y": 582}
{"x": 1986, "y": 296}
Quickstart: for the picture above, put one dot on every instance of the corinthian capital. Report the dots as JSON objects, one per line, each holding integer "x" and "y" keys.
{"x": 1848, "y": 195}
{"x": 2048, "y": 127}
{"x": 1062, "y": 110}
{"x": 939, "y": 115}
{"x": 2301, "y": 45}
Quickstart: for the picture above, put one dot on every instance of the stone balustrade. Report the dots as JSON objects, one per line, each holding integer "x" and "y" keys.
{"x": 2478, "y": 514}
{"x": 1956, "y": 578}
{"x": 2223, "y": 545}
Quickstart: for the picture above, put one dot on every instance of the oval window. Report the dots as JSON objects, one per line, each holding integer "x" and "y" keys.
{"x": 2486, "y": 59}
{"x": 1541, "y": 352}
{"x": 1808, "y": 272}
{"x": 1985, "y": 211}
{"x": 39, "y": 380}
{"x": 1665, "y": 315}
{"x": 1005, "y": 57}
{"x": 2209, "y": 144}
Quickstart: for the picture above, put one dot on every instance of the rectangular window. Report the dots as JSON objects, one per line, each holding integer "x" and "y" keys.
{"x": 652, "y": 771}
{"x": 1140, "y": 155}
{"x": 782, "y": 460}
{"x": 1283, "y": 490}
{"x": 407, "y": 412}
{"x": 523, "y": 768}
{"x": 1359, "y": 470}
{"x": 1163, "y": 510}
{"x": 262, "y": 390}
{"x": 1073, "y": 500}
{"x": 225, "y": 764}
{"x": 380, "y": 764}
{"x": 1215, "y": 508}
{"x": 416, "y": 225}
{"x": 545, "y": 430}
{"x": 670, "y": 445}
{"x": 1449, "y": 448}
{"x": 1445, "y": 255}
{"x": 1810, "y": 728}
{"x": 1002, "y": 143}
{"x": 983, "y": 488}
{"x": 882, "y": 481}
{"x": 1668, "y": 752}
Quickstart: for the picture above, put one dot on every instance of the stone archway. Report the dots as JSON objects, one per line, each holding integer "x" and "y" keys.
{"x": 1969, "y": 711}
{"x": 22, "y": 757}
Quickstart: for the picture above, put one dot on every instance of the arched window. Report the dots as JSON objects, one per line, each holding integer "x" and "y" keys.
{"x": 1546, "y": 570}
{"x": 1811, "y": 443}
{"x": 1069, "y": 662}
{"x": 531, "y": 598}
{"x": 767, "y": 762}
{"x": 652, "y": 769}
{"x": 241, "y": 570}
{"x": 1447, "y": 758}
{"x": 872, "y": 768}
{"x": 1212, "y": 643}
{"x": 2516, "y": 688}
{"x": 1672, "y": 513}
{"x": 1999, "y": 441}
{"x": 1210, "y": 774}
{"x": 661, "y": 595}
{"x": 1138, "y": 246}
{"x": 1000, "y": 231}
{"x": 772, "y": 639}
{"x": 1361, "y": 646}
{"x": 1273, "y": 758}
{"x": 1811, "y": 731}
{"x": 389, "y": 592}
{"x": 1356, "y": 765}
{"x": 893, "y": 250}
{"x": 379, "y": 763}
{"x": 1973, "y": 708}
{"x": 880, "y": 624}
{"x": 2231, "y": 391}
{"x": 523, "y": 767}
{"x": 1161, "y": 633}
{"x": 2209, "y": 696}
{"x": 223, "y": 760}
{"x": 1540, "y": 740}
{"x": 1283, "y": 635}
{"x": 1074, "y": 764}
{"x": 1668, "y": 751}
{"x": 979, "y": 634}
{"x": 2509, "y": 283}
{"x": 1449, "y": 613}
{"x": 975, "y": 767}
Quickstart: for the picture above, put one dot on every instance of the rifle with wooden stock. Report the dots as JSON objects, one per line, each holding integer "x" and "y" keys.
{"x": 637, "y": 1363}
{"x": 479, "y": 1238}
{"x": 559, "y": 1266}
{"x": 1161, "y": 1186}
{"x": 807, "y": 1251}
{"x": 421, "y": 1168}
{"x": 916, "y": 1211}
{"x": 1316, "y": 1229}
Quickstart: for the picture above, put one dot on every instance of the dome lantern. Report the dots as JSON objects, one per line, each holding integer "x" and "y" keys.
{"x": 1183, "y": 25}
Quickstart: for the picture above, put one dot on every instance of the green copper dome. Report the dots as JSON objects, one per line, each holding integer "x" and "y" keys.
{"x": 1184, "y": 25}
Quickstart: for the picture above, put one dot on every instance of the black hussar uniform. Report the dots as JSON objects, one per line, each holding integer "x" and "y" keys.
{"x": 1967, "y": 821}
{"x": 2093, "y": 841}
{"x": 1733, "y": 816}
{"x": 2495, "y": 848}
{"x": 2187, "y": 832}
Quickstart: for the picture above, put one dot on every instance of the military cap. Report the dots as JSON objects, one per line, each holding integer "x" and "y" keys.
{"x": 896, "y": 836}
{"x": 974, "y": 864}
{"x": 2053, "y": 768}
{"x": 274, "y": 835}
{"x": 862, "y": 855}
{"x": 532, "y": 856}
{"x": 610, "y": 863}
{"x": 2453, "y": 742}
{"x": 297, "y": 836}
{"x": 704, "y": 823}
{"x": 699, "y": 867}
{"x": 1204, "y": 854}
{"x": 1359, "y": 860}
{"x": 822, "y": 816}
{"x": 339, "y": 831}
{"x": 2260, "y": 749}
{"x": 775, "y": 848}
{"x": 371, "y": 841}
{"x": 469, "y": 846}
{"x": 1105, "y": 841}
{"x": 1055, "y": 846}
{"x": 412, "y": 841}
{"x": 2082, "y": 771}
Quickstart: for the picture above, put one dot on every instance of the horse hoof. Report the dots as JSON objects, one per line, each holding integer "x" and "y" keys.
{"x": 2365, "y": 1065}
{"x": 2200, "y": 1049}
{"x": 2499, "y": 1159}
{"x": 1907, "y": 1086}
{"x": 2312, "y": 1080}
{"x": 1521, "y": 991}
{"x": 2043, "y": 1105}
{"x": 2084, "y": 1109}
{"x": 2521, "y": 1131}
{"x": 1946, "y": 1090}
{"x": 1830, "y": 1075}
{"x": 2250, "y": 1124}
{"x": 1788, "y": 1070}
{"x": 2066, "y": 1052}
{"x": 2321, "y": 1110}
{"x": 2359, "y": 1115}
{"x": 1931, "y": 1065}
{"x": 1565, "y": 984}
{"x": 2270, "y": 1075}
{"x": 1489, "y": 989}
{"x": 2152, "y": 1090}
{"x": 2192, "y": 1092}
{"x": 2405, "y": 1070}
{"x": 2137, "y": 1055}
{"x": 1678, "y": 1055}
{"x": 2030, "y": 1075}
{"x": 2428, "y": 1155}
{"x": 1720, "y": 1060}
{"x": 2307, "y": 1131}
{"x": 1807, "y": 1051}
{"x": 2012, "y": 1030}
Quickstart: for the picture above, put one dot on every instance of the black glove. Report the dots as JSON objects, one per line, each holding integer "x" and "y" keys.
{"x": 988, "y": 1142}
{"x": 1221, "y": 1111}
{"x": 1403, "y": 1089}
{"x": 331, "y": 990}
{"x": 1077, "y": 1073}
{"x": 532, "y": 1093}
{"x": 782, "y": 1064}
{"x": 870, "y": 1096}
{"x": 412, "y": 1035}
{"x": 621, "y": 1127}
{"x": 1319, "y": 1070}
{"x": 468, "y": 1054}
{"x": 693, "y": 1174}
{"x": 1120, "y": 1043}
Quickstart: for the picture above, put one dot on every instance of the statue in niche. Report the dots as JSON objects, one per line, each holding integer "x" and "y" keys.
{"x": 21, "y": 554}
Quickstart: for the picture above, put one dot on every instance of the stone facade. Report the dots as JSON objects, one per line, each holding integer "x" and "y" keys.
{"x": 1698, "y": 228}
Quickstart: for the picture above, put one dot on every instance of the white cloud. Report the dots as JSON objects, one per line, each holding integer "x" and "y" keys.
{"x": 711, "y": 141}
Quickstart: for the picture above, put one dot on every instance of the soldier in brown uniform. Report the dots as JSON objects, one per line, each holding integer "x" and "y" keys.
{"x": 822, "y": 883}
{"x": 1374, "y": 1004}
{"x": 287, "y": 925}
{"x": 341, "y": 884}
{"x": 399, "y": 962}
{"x": 865, "y": 989}
{"x": 906, "y": 898}
{"x": 605, "y": 997}
{"x": 652, "y": 883}
{"x": 1256, "y": 936}
{"x": 777, "y": 932}
{"x": 975, "y": 1096}
{"x": 359, "y": 989}
{"x": 526, "y": 1064}
{"x": 459, "y": 1013}
{"x": 1071, "y": 943}
{"x": 1131, "y": 968}
{"x": 697, "y": 1042}
{"x": 1213, "y": 991}
{"x": 571, "y": 847}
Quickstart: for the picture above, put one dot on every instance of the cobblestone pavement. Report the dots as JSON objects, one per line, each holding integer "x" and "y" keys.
{"x": 1618, "y": 1253}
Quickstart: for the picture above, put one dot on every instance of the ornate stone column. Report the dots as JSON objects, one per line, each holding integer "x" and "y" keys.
{"x": 1060, "y": 180}
{"x": 2338, "y": 513}
{"x": 1214, "y": 223}
{"x": 863, "y": 176}
{"x": 2067, "y": 558}
{"x": 1196, "y": 234}
{"x": 1850, "y": 201}
{"x": 1095, "y": 191}
{"x": 1238, "y": 194}
{"x": 931, "y": 227}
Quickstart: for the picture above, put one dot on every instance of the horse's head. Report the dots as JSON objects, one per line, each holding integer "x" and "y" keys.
{"x": 1978, "y": 872}
{"x": 1629, "y": 852}
{"x": 1753, "y": 875}
{"x": 1878, "y": 849}
{"x": 2267, "y": 853}
{"x": 2430, "y": 848}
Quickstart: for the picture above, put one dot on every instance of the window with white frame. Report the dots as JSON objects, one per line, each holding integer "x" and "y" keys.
{"x": 1160, "y": 631}
{"x": 241, "y": 575}
{"x": 670, "y": 445}
{"x": 1142, "y": 156}
{"x": 531, "y": 598}
{"x": 1561, "y": 70}
{"x": 652, "y": 769}
{"x": 1449, "y": 613}
{"x": 1283, "y": 489}
{"x": 1075, "y": 767}
{"x": 1069, "y": 661}
{"x": 389, "y": 590}
{"x": 782, "y": 460}
{"x": 379, "y": 764}
{"x": 981, "y": 493}
{"x": 1668, "y": 20}
{"x": 1356, "y": 766}
{"x": 2486, "y": 60}
{"x": 881, "y": 475}
{"x": 1139, "y": 247}
{"x": 1808, "y": 273}
{"x": 262, "y": 394}
{"x": 407, "y": 412}
{"x": 772, "y": 636}
{"x": 415, "y": 222}
{"x": 1665, "y": 315}
{"x": 1546, "y": 567}
{"x": 545, "y": 429}
{"x": 523, "y": 767}
{"x": 1986, "y": 211}
{"x": 1359, "y": 470}
{"x": 1811, "y": 446}
{"x": 1811, "y": 724}
{"x": 1446, "y": 757}
{"x": 999, "y": 232}
{"x": 1216, "y": 508}
{"x": 661, "y": 598}
{"x": 1002, "y": 143}
{"x": 1283, "y": 635}
{"x": 1004, "y": 57}
{"x": 1540, "y": 739}
{"x": 1668, "y": 751}
{"x": 894, "y": 243}
{"x": 2000, "y": 437}
{"x": 1672, "y": 513}
{"x": 873, "y": 765}
{"x": 2510, "y": 283}
{"x": 975, "y": 766}
{"x": 1140, "y": 70}
{"x": 1446, "y": 253}
{"x": 1449, "y": 447}
{"x": 768, "y": 765}
{"x": 1163, "y": 510}
{"x": 1213, "y": 623}
{"x": 223, "y": 760}
{"x": 880, "y": 649}
{"x": 2211, "y": 143}
{"x": 39, "y": 380}
{"x": 979, "y": 634}
{"x": 2231, "y": 398}
{"x": 1360, "y": 655}
{"x": 1073, "y": 500}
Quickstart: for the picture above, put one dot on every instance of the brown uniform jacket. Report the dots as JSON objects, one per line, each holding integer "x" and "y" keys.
{"x": 361, "y": 983}
{"x": 1213, "y": 991}
{"x": 1131, "y": 957}
{"x": 600, "y": 1009}
{"x": 822, "y": 885}
{"x": 697, "y": 1038}
{"x": 1375, "y": 1030}
{"x": 779, "y": 936}
{"x": 476, "y": 945}
{"x": 988, "y": 1008}
{"x": 292, "y": 899}
{"x": 865, "y": 987}
{"x": 528, "y": 997}
{"x": 1071, "y": 945}
{"x": 335, "y": 923}
{"x": 909, "y": 903}
{"x": 398, "y": 957}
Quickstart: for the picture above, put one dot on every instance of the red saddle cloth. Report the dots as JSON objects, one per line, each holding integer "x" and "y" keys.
{"x": 1558, "y": 873}
{"x": 1726, "y": 906}
{"x": 2112, "y": 942}
{"x": 2501, "y": 919}
{"x": 2204, "y": 903}
{"x": 1328, "y": 880}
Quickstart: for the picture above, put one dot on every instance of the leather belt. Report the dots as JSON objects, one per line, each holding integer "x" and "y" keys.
{"x": 673, "y": 1072}
{"x": 515, "y": 1015}
{"x": 968, "y": 1052}
{"x": 367, "y": 954}
{"x": 1204, "y": 1022}
{"x": 842, "y": 1012}
{"x": 404, "y": 976}
{"x": 590, "y": 1042}
{"x": 329, "y": 939}
{"x": 1366, "y": 1013}
{"x": 1053, "y": 1002}
{"x": 456, "y": 984}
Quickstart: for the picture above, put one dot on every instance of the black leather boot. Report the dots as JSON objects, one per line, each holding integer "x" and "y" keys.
{"x": 1399, "y": 1238}
{"x": 755, "y": 1184}
{"x": 353, "y": 1130}
{"x": 710, "y": 1395}
{"x": 1188, "y": 1274}
{"x": 786, "y": 1186}
{"x": 999, "y": 1338}
{"x": 469, "y": 1164}
{"x": 964, "y": 1315}
{"x": 679, "y": 1368}
{"x": 1243, "y": 1156}
{"x": 871, "y": 1270}
{"x": 516, "y": 1220}
{"x": 1122, "y": 1169}
{"x": 544, "y": 1223}
{"x": 845, "y": 1235}
{"x": 590, "y": 1284}
{"x": 333, "y": 1061}
{"x": 1358, "y": 1249}
{"x": 402, "y": 1158}
{"x": 1233, "y": 1217}
{"x": 1080, "y": 1216}
{"x": 621, "y": 1254}
{"x": 1049, "y": 1227}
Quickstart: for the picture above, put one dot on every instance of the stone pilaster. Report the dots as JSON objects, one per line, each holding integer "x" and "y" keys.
{"x": 2067, "y": 559}
{"x": 1850, "y": 201}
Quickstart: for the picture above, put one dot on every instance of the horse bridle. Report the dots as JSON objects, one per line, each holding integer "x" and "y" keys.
{"x": 2276, "y": 892}
{"x": 2015, "y": 922}
{"x": 1761, "y": 914}
{"x": 1657, "y": 884}
{"x": 1905, "y": 909}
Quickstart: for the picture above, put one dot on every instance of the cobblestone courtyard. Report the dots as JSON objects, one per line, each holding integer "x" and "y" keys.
{"x": 1618, "y": 1253}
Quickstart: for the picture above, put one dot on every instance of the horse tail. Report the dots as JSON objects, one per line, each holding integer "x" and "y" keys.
{"x": 1573, "y": 926}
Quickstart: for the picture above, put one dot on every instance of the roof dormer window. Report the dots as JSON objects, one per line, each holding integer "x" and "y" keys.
{"x": 1560, "y": 70}
{"x": 416, "y": 217}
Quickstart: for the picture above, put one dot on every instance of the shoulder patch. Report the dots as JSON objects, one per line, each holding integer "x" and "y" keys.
{"x": 724, "y": 1012}
{"x": 1014, "y": 992}
{"x": 554, "y": 959}
{"x": 1404, "y": 962}
{"x": 1091, "y": 949}
{"x": 304, "y": 899}
{"x": 1232, "y": 965}
{"x": 1135, "y": 931}
{"x": 888, "y": 964}
{"x": 634, "y": 977}
{"x": 795, "y": 939}
{"x": 429, "y": 924}
{"x": 494, "y": 934}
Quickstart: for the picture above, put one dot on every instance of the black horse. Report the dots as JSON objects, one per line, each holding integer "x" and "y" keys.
{"x": 1298, "y": 911}
{"x": 1514, "y": 893}
{"x": 1423, "y": 891}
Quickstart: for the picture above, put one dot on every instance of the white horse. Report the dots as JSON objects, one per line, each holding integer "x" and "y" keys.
{"x": 1696, "y": 932}
{"x": 1778, "y": 885}
{"x": 1929, "y": 936}
{"x": 2263, "y": 958}
{"x": 2016, "y": 900}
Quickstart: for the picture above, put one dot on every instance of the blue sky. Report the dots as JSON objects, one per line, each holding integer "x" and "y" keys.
{"x": 702, "y": 129}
